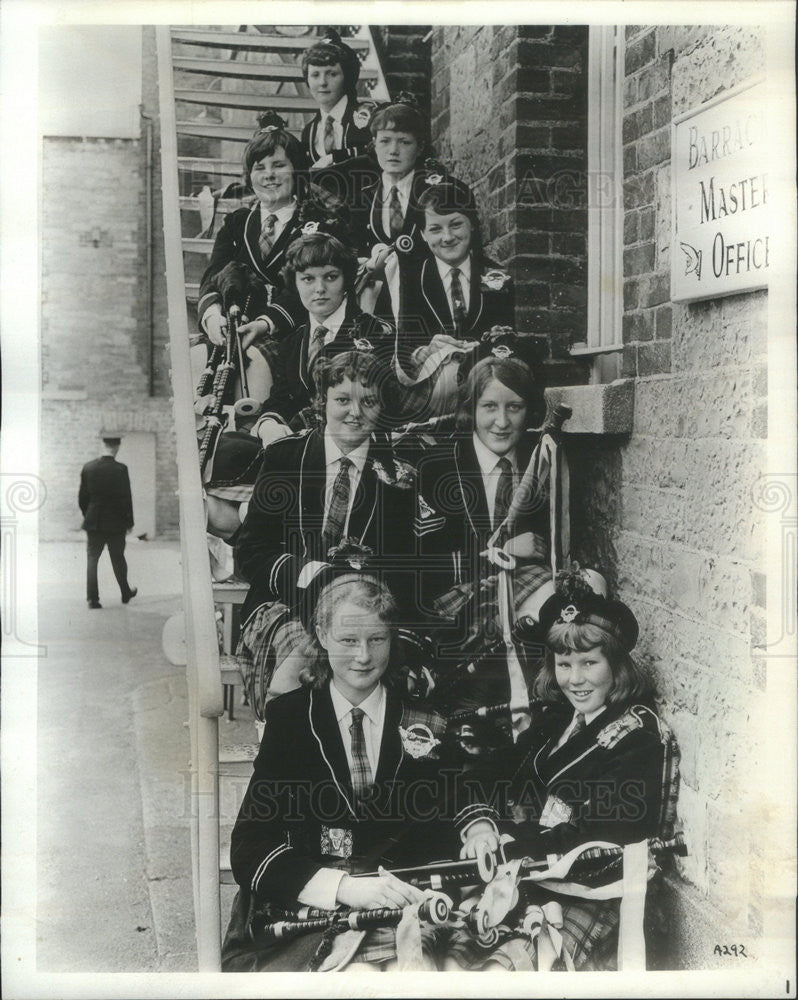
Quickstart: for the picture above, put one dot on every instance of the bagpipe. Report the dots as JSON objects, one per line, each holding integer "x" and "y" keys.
{"x": 491, "y": 898}
{"x": 225, "y": 365}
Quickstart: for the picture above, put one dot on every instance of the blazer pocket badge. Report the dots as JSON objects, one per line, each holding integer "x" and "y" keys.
{"x": 336, "y": 841}
{"x": 417, "y": 740}
{"x": 495, "y": 280}
{"x": 427, "y": 519}
{"x": 555, "y": 812}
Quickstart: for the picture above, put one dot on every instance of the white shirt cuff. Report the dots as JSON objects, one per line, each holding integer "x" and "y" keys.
{"x": 479, "y": 819}
{"x": 213, "y": 310}
{"x": 321, "y": 889}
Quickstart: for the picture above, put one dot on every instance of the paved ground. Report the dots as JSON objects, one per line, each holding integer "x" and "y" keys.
{"x": 113, "y": 849}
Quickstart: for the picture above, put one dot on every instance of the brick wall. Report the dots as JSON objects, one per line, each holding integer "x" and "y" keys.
{"x": 95, "y": 340}
{"x": 670, "y": 512}
{"x": 509, "y": 117}
{"x": 405, "y": 59}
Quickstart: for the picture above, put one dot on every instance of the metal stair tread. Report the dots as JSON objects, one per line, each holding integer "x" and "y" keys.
{"x": 194, "y": 244}
{"x": 209, "y": 164}
{"x": 254, "y": 42}
{"x": 232, "y": 133}
{"x": 241, "y": 101}
{"x": 250, "y": 71}
{"x": 223, "y": 206}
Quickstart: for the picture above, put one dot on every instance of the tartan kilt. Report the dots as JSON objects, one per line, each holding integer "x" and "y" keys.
{"x": 526, "y": 579}
{"x": 271, "y": 630}
{"x": 589, "y": 934}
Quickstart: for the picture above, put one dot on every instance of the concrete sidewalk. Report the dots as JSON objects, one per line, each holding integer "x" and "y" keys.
{"x": 113, "y": 847}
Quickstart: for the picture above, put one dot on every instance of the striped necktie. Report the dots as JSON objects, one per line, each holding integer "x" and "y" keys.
{"x": 316, "y": 344}
{"x": 266, "y": 240}
{"x": 339, "y": 506}
{"x": 362, "y": 778}
{"x": 458, "y": 302}
{"x": 504, "y": 492}
{"x": 395, "y": 214}
{"x": 578, "y": 726}
{"x": 329, "y": 134}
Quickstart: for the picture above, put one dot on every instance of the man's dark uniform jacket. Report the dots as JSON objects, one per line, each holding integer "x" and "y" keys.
{"x": 259, "y": 290}
{"x": 355, "y": 140}
{"x": 299, "y": 803}
{"x": 283, "y": 527}
{"x": 104, "y": 497}
{"x": 293, "y": 387}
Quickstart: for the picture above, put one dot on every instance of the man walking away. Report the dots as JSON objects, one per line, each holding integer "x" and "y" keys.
{"x": 107, "y": 509}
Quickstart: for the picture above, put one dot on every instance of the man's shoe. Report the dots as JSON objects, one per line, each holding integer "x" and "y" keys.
{"x": 130, "y": 595}
{"x": 94, "y": 605}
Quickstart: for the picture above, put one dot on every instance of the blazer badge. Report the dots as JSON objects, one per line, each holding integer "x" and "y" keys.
{"x": 336, "y": 841}
{"x": 417, "y": 740}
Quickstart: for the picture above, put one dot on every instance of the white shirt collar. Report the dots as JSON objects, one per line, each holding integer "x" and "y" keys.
{"x": 332, "y": 324}
{"x": 589, "y": 717}
{"x": 444, "y": 269}
{"x": 488, "y": 459}
{"x": 283, "y": 214}
{"x": 337, "y": 112}
{"x": 372, "y": 706}
{"x": 403, "y": 185}
{"x": 332, "y": 453}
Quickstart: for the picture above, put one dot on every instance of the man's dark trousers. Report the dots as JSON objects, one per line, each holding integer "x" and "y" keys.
{"x": 95, "y": 543}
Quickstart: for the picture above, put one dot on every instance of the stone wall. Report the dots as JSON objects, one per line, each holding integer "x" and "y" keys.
{"x": 94, "y": 325}
{"x": 670, "y": 512}
{"x": 509, "y": 117}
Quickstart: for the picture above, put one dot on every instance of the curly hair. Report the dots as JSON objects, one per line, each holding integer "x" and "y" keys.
{"x": 320, "y": 250}
{"x": 366, "y": 592}
{"x": 357, "y": 366}
{"x": 512, "y": 373}
{"x": 630, "y": 684}
{"x": 266, "y": 142}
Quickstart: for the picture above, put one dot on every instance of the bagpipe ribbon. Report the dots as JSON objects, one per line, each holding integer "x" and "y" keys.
{"x": 409, "y": 952}
{"x": 543, "y": 924}
{"x": 519, "y": 692}
{"x": 630, "y": 888}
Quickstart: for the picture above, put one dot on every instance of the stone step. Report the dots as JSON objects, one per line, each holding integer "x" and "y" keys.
{"x": 209, "y": 165}
{"x": 248, "y": 41}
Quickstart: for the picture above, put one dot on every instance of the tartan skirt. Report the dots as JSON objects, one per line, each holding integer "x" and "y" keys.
{"x": 589, "y": 934}
{"x": 269, "y": 636}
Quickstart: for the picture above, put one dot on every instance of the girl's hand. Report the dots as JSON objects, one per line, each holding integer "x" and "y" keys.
{"x": 324, "y": 161}
{"x": 215, "y": 325}
{"x": 481, "y": 837}
{"x": 377, "y": 891}
{"x": 256, "y": 329}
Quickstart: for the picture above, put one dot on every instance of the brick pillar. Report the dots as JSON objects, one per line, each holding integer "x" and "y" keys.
{"x": 405, "y": 59}
{"x": 509, "y": 117}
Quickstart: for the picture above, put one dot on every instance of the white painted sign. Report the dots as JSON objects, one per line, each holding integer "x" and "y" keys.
{"x": 720, "y": 226}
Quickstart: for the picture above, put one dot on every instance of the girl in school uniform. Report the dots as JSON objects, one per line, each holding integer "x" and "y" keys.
{"x": 596, "y": 764}
{"x": 346, "y": 780}
{"x": 339, "y": 129}
{"x": 465, "y": 487}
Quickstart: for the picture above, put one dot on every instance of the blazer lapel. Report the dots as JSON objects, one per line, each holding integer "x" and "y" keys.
{"x": 476, "y": 300}
{"x": 312, "y": 481}
{"x": 391, "y": 745}
{"x": 364, "y": 508}
{"x": 327, "y": 733}
{"x": 472, "y": 487}
{"x": 435, "y": 295}
{"x": 375, "y": 212}
{"x": 551, "y": 765}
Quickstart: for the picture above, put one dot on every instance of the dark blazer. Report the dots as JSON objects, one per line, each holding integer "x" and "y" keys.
{"x": 293, "y": 387}
{"x": 608, "y": 782}
{"x": 355, "y": 140}
{"x": 452, "y": 525}
{"x": 104, "y": 497}
{"x": 425, "y": 306}
{"x": 283, "y": 527}
{"x": 237, "y": 241}
{"x": 301, "y": 785}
